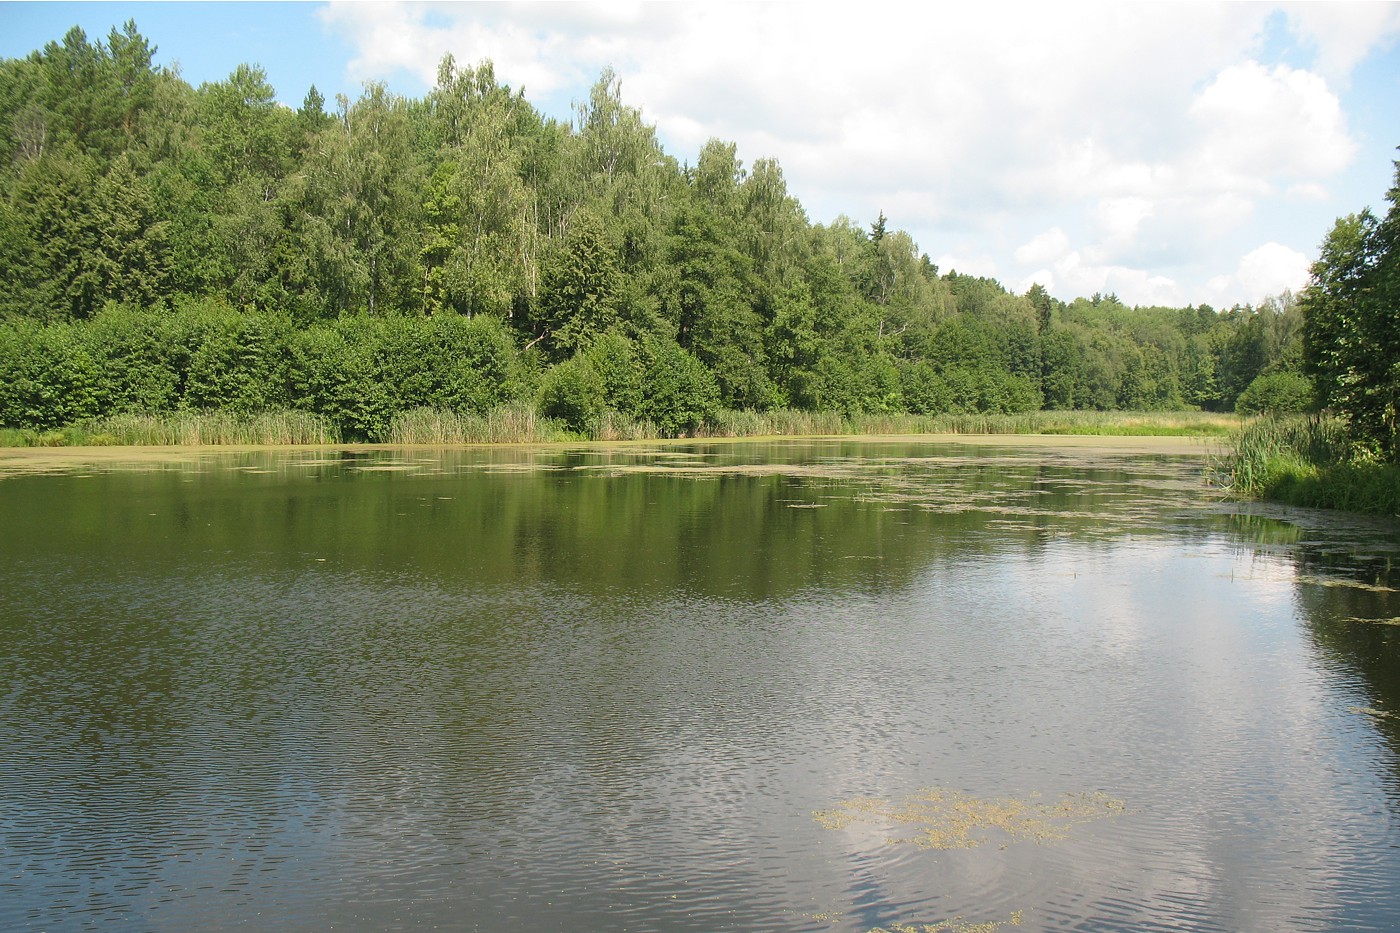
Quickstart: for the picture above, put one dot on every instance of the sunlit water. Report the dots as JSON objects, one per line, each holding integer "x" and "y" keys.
{"x": 710, "y": 687}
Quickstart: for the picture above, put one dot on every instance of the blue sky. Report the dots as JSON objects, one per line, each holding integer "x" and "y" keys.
{"x": 1174, "y": 153}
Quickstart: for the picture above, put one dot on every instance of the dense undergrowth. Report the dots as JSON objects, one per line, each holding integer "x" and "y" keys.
{"x": 1312, "y": 461}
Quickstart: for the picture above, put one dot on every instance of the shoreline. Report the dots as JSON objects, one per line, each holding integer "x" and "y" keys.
{"x": 28, "y": 459}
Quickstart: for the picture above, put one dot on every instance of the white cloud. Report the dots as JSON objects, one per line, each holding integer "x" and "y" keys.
{"x": 1120, "y": 218}
{"x": 1344, "y": 33}
{"x": 1076, "y": 274}
{"x": 1307, "y": 191}
{"x": 984, "y": 266}
{"x": 1266, "y": 122}
{"x": 1263, "y": 272}
{"x": 1049, "y": 246}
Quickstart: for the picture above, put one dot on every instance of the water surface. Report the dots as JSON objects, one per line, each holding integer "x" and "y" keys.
{"x": 798, "y": 686}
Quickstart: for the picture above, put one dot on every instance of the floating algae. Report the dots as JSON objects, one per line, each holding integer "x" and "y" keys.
{"x": 955, "y": 925}
{"x": 950, "y": 819}
{"x": 1350, "y": 584}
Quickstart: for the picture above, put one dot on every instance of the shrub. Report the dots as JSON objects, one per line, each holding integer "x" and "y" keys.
{"x": 572, "y": 392}
{"x": 1276, "y": 393}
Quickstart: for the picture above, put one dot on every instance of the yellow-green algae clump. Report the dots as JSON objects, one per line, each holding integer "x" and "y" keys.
{"x": 949, "y": 819}
{"x": 955, "y": 925}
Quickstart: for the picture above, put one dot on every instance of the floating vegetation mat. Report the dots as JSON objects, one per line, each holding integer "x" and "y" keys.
{"x": 1349, "y": 584}
{"x": 949, "y": 819}
{"x": 955, "y": 925}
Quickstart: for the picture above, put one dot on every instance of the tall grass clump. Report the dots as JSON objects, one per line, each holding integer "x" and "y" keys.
{"x": 780, "y": 422}
{"x": 786, "y": 423}
{"x": 1310, "y": 461}
{"x": 508, "y": 423}
{"x": 195, "y": 428}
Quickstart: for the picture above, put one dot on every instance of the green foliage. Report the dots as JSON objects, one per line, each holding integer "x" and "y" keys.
{"x": 362, "y": 373}
{"x": 333, "y": 374}
{"x": 578, "y": 297}
{"x": 140, "y": 363}
{"x": 614, "y": 358}
{"x": 573, "y": 393}
{"x": 1276, "y": 393}
{"x": 679, "y": 394}
{"x": 47, "y": 376}
{"x": 1311, "y": 461}
{"x": 1352, "y": 324}
{"x": 236, "y": 362}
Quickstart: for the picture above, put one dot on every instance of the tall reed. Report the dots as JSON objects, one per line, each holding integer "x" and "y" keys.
{"x": 519, "y": 422}
{"x": 1099, "y": 423}
{"x": 511, "y": 423}
{"x": 194, "y": 428}
{"x": 1309, "y": 461}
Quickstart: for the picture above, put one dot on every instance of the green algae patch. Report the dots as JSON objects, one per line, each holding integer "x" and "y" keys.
{"x": 941, "y": 818}
{"x": 954, "y": 925}
{"x": 1334, "y": 582}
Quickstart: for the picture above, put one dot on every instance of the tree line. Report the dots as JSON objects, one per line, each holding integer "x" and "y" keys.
{"x": 168, "y": 248}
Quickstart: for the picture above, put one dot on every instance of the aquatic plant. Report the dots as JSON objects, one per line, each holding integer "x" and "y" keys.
{"x": 280, "y": 428}
{"x": 509, "y": 423}
{"x": 1313, "y": 461}
{"x": 949, "y": 819}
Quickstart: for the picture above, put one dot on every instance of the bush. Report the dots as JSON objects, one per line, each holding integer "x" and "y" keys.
{"x": 572, "y": 392}
{"x": 678, "y": 394}
{"x": 1278, "y": 393}
{"x": 332, "y": 375}
{"x": 238, "y": 362}
{"x": 47, "y": 376}
{"x": 137, "y": 354}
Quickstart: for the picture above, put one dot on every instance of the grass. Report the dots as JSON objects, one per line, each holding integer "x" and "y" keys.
{"x": 518, "y": 422}
{"x": 512, "y": 423}
{"x": 181, "y": 429}
{"x": 1090, "y": 423}
{"x": 1309, "y": 461}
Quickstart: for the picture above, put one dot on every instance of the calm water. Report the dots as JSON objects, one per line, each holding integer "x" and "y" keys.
{"x": 821, "y": 687}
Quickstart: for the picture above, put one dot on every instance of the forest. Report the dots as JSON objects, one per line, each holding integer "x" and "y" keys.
{"x": 169, "y": 248}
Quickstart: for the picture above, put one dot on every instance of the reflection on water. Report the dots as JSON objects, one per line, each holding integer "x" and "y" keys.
{"x": 609, "y": 689}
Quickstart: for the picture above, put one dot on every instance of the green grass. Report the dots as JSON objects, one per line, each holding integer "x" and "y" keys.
{"x": 513, "y": 423}
{"x": 518, "y": 422}
{"x": 1092, "y": 423}
{"x": 1309, "y": 461}
{"x": 182, "y": 429}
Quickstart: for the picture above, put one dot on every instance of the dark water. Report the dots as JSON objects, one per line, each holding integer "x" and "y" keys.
{"x": 724, "y": 687}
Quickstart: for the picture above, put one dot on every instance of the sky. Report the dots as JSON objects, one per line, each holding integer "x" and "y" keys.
{"x": 1169, "y": 153}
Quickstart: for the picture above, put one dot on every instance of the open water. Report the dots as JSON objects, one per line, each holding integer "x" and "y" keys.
{"x": 808, "y": 686}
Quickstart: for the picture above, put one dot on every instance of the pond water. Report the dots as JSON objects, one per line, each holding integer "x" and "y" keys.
{"x": 806, "y": 686}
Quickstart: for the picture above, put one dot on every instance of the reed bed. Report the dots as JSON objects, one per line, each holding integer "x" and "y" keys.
{"x": 183, "y": 428}
{"x": 1309, "y": 461}
{"x": 1092, "y": 423}
{"x": 512, "y": 423}
{"x": 520, "y": 422}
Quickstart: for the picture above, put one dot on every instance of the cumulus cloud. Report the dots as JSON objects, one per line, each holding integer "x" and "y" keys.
{"x": 1344, "y": 34}
{"x": 1153, "y": 131}
{"x": 1045, "y": 247}
{"x": 1120, "y": 218}
{"x": 1263, "y": 122}
{"x": 1262, "y": 272}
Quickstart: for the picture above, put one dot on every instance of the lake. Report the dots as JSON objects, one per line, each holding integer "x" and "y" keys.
{"x": 826, "y": 685}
